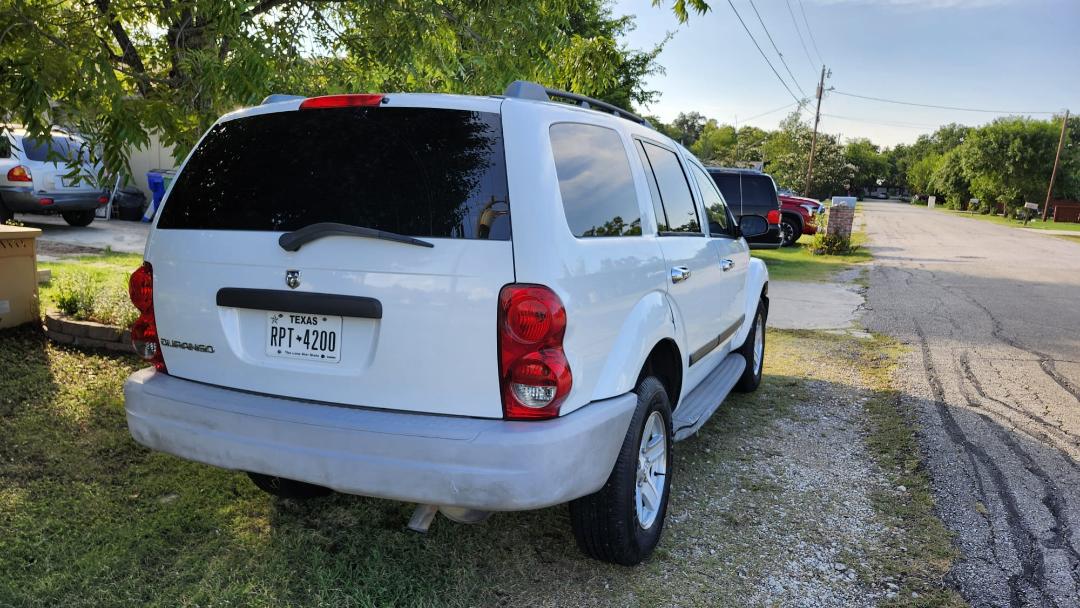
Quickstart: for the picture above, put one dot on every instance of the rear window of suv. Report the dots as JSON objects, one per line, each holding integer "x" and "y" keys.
{"x": 415, "y": 171}
{"x": 755, "y": 191}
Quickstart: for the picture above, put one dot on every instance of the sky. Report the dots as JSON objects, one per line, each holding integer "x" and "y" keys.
{"x": 1018, "y": 56}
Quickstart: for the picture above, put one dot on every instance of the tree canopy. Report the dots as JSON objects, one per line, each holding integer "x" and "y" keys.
{"x": 118, "y": 70}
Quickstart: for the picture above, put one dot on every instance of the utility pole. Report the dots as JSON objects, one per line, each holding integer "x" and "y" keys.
{"x": 1057, "y": 158}
{"x": 813, "y": 140}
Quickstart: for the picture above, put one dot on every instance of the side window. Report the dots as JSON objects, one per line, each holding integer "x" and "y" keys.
{"x": 658, "y": 208}
{"x": 679, "y": 208}
{"x": 595, "y": 181}
{"x": 715, "y": 208}
{"x": 5, "y": 146}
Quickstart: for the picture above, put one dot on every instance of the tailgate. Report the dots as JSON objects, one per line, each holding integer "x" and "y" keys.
{"x": 344, "y": 319}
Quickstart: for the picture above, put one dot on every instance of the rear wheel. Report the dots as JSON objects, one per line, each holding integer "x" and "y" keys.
{"x": 78, "y": 218}
{"x": 622, "y": 522}
{"x": 5, "y": 213}
{"x": 791, "y": 231}
{"x": 287, "y": 488}
{"x": 753, "y": 350}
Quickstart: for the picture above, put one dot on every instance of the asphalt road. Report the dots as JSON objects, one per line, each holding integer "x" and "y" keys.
{"x": 992, "y": 314}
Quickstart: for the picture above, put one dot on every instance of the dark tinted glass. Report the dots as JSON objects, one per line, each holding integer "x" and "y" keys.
{"x": 5, "y": 147}
{"x": 729, "y": 186}
{"x": 413, "y": 171}
{"x": 654, "y": 190}
{"x": 759, "y": 191}
{"x": 715, "y": 208}
{"x": 595, "y": 181}
{"x": 674, "y": 190}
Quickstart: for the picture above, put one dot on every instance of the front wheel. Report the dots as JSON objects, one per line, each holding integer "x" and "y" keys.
{"x": 753, "y": 350}
{"x": 623, "y": 521}
{"x": 78, "y": 218}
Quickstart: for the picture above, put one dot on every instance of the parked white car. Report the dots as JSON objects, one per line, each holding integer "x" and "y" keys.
{"x": 36, "y": 176}
{"x": 476, "y": 304}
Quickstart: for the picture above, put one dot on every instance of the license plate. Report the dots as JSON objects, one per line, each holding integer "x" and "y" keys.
{"x": 302, "y": 336}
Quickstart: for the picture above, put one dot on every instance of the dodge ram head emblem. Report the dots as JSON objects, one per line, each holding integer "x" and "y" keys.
{"x": 292, "y": 278}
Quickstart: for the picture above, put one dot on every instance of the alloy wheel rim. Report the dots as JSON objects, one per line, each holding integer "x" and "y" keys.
{"x": 759, "y": 346}
{"x": 789, "y": 233}
{"x": 651, "y": 471}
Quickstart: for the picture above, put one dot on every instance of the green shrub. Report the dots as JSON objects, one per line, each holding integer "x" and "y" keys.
{"x": 78, "y": 295}
{"x": 112, "y": 306}
{"x": 75, "y": 293}
{"x": 823, "y": 244}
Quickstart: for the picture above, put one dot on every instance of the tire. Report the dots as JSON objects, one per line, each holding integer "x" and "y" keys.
{"x": 790, "y": 231}
{"x": 287, "y": 488}
{"x": 78, "y": 219}
{"x": 751, "y": 376}
{"x": 5, "y": 214}
{"x": 609, "y": 525}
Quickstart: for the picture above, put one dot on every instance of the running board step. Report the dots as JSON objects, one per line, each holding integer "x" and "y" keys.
{"x": 699, "y": 405}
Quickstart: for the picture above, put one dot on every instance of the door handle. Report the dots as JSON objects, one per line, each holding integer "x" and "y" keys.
{"x": 679, "y": 274}
{"x": 726, "y": 264}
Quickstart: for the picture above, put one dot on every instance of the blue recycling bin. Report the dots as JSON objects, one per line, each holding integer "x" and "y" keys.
{"x": 158, "y": 180}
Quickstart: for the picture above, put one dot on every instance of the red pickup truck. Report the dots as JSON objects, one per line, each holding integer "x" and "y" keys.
{"x": 798, "y": 216}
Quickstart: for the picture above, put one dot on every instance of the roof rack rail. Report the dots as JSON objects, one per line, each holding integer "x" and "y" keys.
{"x": 279, "y": 97}
{"x": 523, "y": 89}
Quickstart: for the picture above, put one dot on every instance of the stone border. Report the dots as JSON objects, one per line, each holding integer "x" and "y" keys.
{"x": 63, "y": 329}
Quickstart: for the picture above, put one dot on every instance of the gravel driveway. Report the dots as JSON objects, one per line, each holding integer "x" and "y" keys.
{"x": 993, "y": 317}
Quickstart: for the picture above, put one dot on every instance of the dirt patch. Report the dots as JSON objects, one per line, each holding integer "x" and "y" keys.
{"x": 52, "y": 249}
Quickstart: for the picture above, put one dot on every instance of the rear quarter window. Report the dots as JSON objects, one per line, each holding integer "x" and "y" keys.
{"x": 423, "y": 172}
{"x": 597, "y": 187}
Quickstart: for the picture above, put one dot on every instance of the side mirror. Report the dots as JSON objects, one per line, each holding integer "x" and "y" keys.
{"x": 753, "y": 225}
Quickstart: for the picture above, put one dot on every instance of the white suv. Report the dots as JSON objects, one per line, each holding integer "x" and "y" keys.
{"x": 476, "y": 304}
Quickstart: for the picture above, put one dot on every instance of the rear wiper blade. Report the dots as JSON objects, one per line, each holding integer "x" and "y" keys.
{"x": 293, "y": 241}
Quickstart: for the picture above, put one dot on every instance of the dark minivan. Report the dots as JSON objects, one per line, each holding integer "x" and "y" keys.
{"x": 751, "y": 192}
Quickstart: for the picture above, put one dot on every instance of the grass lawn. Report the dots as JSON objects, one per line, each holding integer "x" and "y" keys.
{"x": 90, "y": 518}
{"x": 1004, "y": 221}
{"x": 108, "y": 267}
{"x": 798, "y": 264}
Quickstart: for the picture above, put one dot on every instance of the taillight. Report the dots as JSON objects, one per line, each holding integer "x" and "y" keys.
{"x": 773, "y": 217}
{"x": 533, "y": 371}
{"x": 341, "y": 101}
{"x": 19, "y": 173}
{"x": 144, "y": 336}
{"x": 45, "y": 202}
{"x": 103, "y": 200}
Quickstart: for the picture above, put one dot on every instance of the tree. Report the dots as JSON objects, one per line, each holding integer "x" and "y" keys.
{"x": 950, "y": 180}
{"x": 871, "y": 168}
{"x": 688, "y": 127}
{"x": 786, "y": 154}
{"x": 117, "y": 70}
{"x": 1009, "y": 160}
{"x": 716, "y": 145}
{"x": 920, "y": 176}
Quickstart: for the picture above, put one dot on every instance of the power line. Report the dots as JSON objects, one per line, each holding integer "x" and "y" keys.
{"x": 778, "y": 53}
{"x": 887, "y": 123}
{"x": 773, "y": 111}
{"x": 809, "y": 32}
{"x": 798, "y": 31}
{"x": 763, "y": 56}
{"x": 930, "y": 105}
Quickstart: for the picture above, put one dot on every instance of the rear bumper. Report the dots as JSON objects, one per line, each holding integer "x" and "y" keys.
{"x": 772, "y": 239}
{"x": 484, "y": 464}
{"x": 26, "y": 200}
